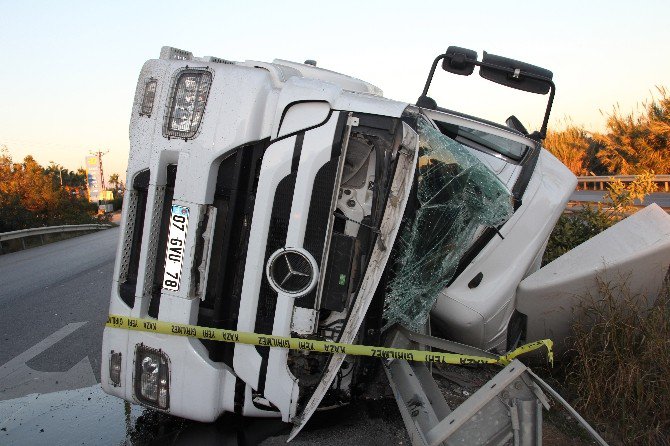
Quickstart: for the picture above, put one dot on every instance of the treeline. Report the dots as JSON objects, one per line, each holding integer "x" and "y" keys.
{"x": 632, "y": 143}
{"x": 32, "y": 195}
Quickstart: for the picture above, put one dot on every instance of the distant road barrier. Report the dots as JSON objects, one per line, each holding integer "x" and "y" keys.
{"x": 23, "y": 233}
{"x": 598, "y": 183}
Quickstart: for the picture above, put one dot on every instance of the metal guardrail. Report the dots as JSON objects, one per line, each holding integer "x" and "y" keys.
{"x": 599, "y": 182}
{"x": 50, "y": 230}
{"x": 23, "y": 233}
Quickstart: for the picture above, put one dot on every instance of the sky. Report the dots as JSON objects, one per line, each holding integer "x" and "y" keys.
{"x": 69, "y": 68}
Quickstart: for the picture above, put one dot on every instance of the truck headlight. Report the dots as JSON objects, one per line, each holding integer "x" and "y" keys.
{"x": 152, "y": 377}
{"x": 115, "y": 368}
{"x": 187, "y": 103}
{"x": 148, "y": 97}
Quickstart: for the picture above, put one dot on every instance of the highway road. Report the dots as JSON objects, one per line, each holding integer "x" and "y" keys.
{"x": 54, "y": 301}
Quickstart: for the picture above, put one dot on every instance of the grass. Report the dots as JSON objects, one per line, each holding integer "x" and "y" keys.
{"x": 618, "y": 368}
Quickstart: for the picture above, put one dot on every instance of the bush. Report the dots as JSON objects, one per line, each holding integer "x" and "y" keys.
{"x": 574, "y": 229}
{"x": 632, "y": 143}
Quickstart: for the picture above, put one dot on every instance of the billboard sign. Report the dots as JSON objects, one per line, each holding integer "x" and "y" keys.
{"x": 93, "y": 178}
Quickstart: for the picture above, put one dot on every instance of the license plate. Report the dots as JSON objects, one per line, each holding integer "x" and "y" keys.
{"x": 174, "y": 252}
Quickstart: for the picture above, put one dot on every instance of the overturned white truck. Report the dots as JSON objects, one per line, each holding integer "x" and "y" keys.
{"x": 281, "y": 198}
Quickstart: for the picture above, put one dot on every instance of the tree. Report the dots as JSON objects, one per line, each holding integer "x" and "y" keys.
{"x": 577, "y": 148}
{"x": 636, "y": 143}
{"x": 32, "y": 196}
{"x": 633, "y": 143}
{"x": 114, "y": 180}
{"x": 570, "y": 146}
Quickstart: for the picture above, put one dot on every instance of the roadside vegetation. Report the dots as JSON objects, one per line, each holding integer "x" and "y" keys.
{"x": 637, "y": 143}
{"x": 619, "y": 363}
{"x": 616, "y": 372}
{"x": 633, "y": 143}
{"x": 575, "y": 227}
{"x": 32, "y": 195}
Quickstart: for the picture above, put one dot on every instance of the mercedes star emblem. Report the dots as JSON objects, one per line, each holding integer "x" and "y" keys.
{"x": 292, "y": 271}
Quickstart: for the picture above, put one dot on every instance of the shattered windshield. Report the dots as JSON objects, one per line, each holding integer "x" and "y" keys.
{"x": 456, "y": 195}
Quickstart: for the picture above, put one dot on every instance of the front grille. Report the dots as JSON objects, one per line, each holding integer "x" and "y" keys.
{"x": 317, "y": 220}
{"x": 234, "y": 197}
{"x": 130, "y": 256}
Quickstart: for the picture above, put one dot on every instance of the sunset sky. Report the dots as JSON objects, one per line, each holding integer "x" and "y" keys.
{"x": 69, "y": 68}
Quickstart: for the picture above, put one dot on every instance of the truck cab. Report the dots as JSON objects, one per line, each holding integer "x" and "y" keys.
{"x": 281, "y": 198}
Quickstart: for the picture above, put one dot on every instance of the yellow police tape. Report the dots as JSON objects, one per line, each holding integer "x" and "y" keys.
{"x": 217, "y": 334}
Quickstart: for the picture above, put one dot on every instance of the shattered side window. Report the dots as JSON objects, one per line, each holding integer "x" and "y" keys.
{"x": 456, "y": 195}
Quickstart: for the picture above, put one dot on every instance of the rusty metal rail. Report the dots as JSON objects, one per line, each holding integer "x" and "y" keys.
{"x": 600, "y": 182}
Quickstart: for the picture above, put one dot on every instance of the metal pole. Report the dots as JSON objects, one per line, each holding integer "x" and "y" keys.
{"x": 569, "y": 408}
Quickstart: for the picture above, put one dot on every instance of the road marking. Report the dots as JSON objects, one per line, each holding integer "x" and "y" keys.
{"x": 19, "y": 380}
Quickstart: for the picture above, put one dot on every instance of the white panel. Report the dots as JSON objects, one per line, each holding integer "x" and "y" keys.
{"x": 637, "y": 249}
{"x": 196, "y": 384}
{"x": 303, "y": 115}
{"x": 342, "y": 80}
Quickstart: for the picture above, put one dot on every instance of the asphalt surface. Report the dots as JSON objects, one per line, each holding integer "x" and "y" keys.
{"x": 54, "y": 301}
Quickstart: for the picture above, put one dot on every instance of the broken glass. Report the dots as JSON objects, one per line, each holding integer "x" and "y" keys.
{"x": 456, "y": 196}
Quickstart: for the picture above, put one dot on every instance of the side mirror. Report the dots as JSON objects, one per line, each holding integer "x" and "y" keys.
{"x": 516, "y": 78}
{"x": 501, "y": 70}
{"x": 459, "y": 60}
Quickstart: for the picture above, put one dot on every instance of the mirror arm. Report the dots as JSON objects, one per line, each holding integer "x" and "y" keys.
{"x": 432, "y": 73}
{"x": 545, "y": 123}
